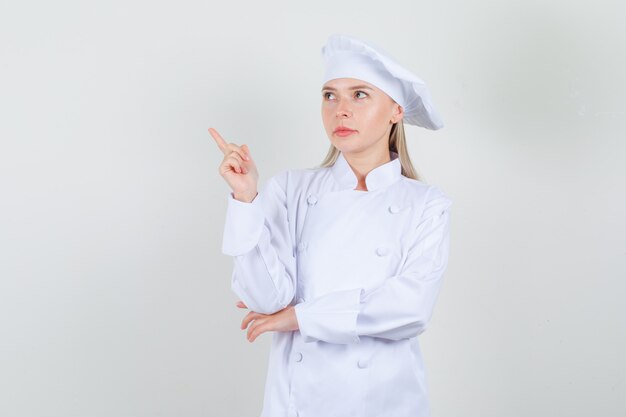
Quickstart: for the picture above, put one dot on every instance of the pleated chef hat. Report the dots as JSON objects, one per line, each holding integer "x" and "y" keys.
{"x": 350, "y": 57}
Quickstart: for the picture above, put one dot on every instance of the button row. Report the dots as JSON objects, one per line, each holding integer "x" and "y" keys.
{"x": 361, "y": 363}
{"x": 380, "y": 251}
{"x": 312, "y": 200}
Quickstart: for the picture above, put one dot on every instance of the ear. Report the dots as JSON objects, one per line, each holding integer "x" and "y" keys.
{"x": 398, "y": 113}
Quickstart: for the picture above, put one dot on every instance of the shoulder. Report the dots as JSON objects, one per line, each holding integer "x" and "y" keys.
{"x": 420, "y": 191}
{"x": 427, "y": 200}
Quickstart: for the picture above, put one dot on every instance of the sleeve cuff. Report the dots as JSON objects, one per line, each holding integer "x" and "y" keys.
{"x": 243, "y": 226}
{"x": 331, "y": 317}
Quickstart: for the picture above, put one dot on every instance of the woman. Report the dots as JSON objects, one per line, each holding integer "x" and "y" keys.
{"x": 343, "y": 262}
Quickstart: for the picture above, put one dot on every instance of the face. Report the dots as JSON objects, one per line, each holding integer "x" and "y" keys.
{"x": 362, "y": 107}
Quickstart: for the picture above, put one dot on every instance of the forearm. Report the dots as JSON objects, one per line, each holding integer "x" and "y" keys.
{"x": 261, "y": 279}
{"x": 256, "y": 235}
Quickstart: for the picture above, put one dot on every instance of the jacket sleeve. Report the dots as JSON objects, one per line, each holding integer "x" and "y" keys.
{"x": 256, "y": 235}
{"x": 403, "y": 304}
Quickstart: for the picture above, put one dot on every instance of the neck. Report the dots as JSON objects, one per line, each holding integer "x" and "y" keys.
{"x": 362, "y": 164}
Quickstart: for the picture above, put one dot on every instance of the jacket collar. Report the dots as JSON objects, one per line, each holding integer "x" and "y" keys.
{"x": 379, "y": 177}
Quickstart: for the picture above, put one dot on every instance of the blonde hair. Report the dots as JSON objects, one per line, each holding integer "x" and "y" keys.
{"x": 397, "y": 143}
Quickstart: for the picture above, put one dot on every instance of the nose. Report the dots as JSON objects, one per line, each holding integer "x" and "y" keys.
{"x": 343, "y": 111}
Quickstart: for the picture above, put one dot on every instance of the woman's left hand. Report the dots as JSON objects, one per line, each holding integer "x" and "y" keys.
{"x": 284, "y": 320}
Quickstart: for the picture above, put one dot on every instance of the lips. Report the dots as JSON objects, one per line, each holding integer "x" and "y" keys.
{"x": 343, "y": 129}
{"x": 344, "y": 132}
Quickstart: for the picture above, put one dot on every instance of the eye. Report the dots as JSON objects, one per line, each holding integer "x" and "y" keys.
{"x": 359, "y": 91}
{"x": 326, "y": 94}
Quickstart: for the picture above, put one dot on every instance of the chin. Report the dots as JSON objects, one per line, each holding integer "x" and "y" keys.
{"x": 347, "y": 147}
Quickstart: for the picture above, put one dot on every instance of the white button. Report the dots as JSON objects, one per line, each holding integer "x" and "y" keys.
{"x": 298, "y": 357}
{"x": 362, "y": 363}
{"x": 311, "y": 200}
{"x": 393, "y": 208}
{"x": 300, "y": 300}
{"x": 382, "y": 250}
{"x": 293, "y": 413}
{"x": 302, "y": 246}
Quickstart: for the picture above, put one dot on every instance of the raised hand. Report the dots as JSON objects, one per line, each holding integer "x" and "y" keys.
{"x": 237, "y": 168}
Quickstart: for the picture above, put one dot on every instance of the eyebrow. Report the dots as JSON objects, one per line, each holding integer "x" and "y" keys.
{"x": 351, "y": 88}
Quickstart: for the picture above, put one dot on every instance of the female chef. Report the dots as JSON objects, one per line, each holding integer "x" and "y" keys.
{"x": 343, "y": 262}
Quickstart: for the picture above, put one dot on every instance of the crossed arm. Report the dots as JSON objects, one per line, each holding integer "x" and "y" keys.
{"x": 257, "y": 235}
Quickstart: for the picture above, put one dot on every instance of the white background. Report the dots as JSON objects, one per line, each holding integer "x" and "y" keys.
{"x": 115, "y": 298}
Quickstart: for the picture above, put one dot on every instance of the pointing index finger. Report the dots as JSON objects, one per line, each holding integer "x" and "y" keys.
{"x": 219, "y": 140}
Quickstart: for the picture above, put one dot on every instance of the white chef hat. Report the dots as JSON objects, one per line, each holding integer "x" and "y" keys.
{"x": 350, "y": 57}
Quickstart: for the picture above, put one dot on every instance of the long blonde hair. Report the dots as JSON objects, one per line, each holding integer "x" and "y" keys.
{"x": 397, "y": 143}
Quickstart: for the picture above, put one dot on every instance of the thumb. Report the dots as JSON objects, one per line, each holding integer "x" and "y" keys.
{"x": 246, "y": 150}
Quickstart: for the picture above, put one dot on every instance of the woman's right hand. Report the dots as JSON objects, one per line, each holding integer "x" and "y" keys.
{"x": 237, "y": 168}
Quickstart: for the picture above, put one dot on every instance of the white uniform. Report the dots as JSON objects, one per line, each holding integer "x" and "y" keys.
{"x": 363, "y": 268}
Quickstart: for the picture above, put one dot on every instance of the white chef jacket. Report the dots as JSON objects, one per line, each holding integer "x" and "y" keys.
{"x": 363, "y": 269}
